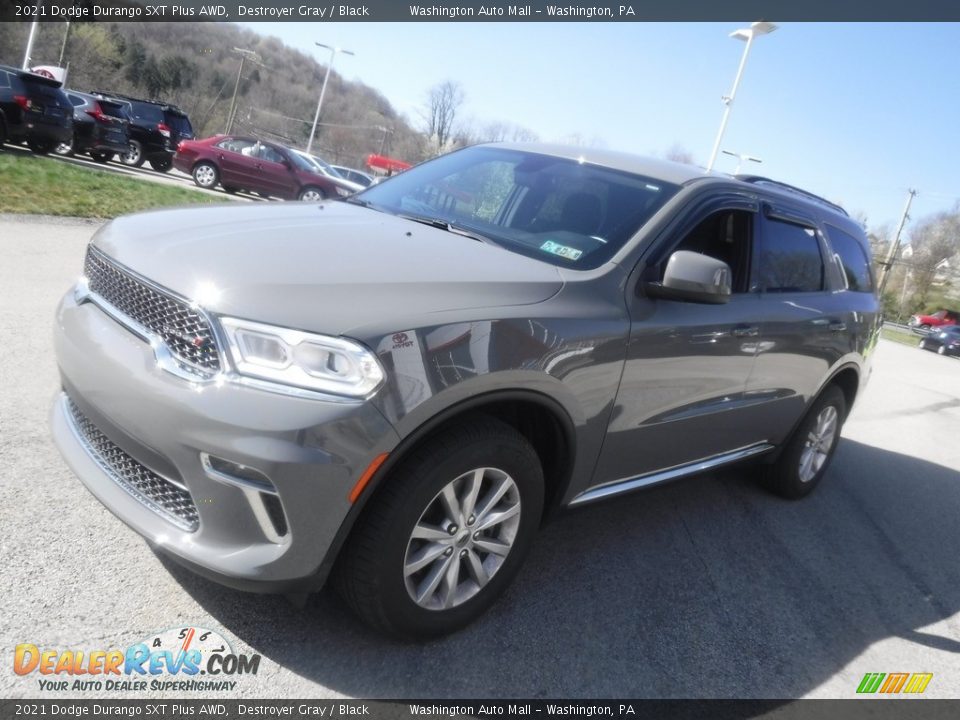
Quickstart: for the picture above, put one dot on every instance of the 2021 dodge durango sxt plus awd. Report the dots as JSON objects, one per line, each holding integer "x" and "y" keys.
{"x": 395, "y": 390}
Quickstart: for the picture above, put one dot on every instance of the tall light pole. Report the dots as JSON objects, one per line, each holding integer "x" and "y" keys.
{"x": 741, "y": 159}
{"x": 323, "y": 89}
{"x": 747, "y": 35}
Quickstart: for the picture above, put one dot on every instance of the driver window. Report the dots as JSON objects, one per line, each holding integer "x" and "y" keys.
{"x": 724, "y": 235}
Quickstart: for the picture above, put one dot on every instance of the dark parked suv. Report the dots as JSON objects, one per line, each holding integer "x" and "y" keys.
{"x": 101, "y": 127}
{"x": 398, "y": 388}
{"x": 33, "y": 109}
{"x": 156, "y": 129}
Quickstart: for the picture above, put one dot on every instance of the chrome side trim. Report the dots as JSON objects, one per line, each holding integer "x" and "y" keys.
{"x": 242, "y": 483}
{"x": 251, "y": 491}
{"x": 628, "y": 484}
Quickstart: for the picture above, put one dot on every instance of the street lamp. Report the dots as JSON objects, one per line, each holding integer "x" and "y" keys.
{"x": 323, "y": 89}
{"x": 747, "y": 35}
{"x": 741, "y": 159}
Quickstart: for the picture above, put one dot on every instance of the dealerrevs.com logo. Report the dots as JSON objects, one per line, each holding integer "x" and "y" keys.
{"x": 179, "y": 659}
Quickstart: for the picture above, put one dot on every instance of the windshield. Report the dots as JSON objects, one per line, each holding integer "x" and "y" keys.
{"x": 557, "y": 210}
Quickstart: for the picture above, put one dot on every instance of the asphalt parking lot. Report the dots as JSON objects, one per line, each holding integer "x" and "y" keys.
{"x": 704, "y": 588}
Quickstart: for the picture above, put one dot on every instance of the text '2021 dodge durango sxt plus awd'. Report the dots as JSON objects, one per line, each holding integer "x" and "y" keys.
{"x": 394, "y": 390}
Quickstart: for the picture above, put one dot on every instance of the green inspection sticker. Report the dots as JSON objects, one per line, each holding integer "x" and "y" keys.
{"x": 562, "y": 250}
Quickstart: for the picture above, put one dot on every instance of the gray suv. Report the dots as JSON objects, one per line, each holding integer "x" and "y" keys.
{"x": 394, "y": 391}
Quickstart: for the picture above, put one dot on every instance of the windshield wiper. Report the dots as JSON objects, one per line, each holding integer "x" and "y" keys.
{"x": 449, "y": 227}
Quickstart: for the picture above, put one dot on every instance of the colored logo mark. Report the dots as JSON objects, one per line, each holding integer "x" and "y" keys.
{"x": 892, "y": 683}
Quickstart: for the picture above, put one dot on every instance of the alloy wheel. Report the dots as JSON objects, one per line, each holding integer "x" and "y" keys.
{"x": 462, "y": 538}
{"x": 819, "y": 443}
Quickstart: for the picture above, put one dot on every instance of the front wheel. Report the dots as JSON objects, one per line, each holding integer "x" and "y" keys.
{"x": 312, "y": 194}
{"x": 807, "y": 454}
{"x": 446, "y": 532}
{"x": 942, "y": 350}
{"x": 205, "y": 175}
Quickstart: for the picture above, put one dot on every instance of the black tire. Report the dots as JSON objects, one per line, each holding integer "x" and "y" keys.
{"x": 925, "y": 327}
{"x": 134, "y": 157}
{"x": 162, "y": 164}
{"x": 41, "y": 147}
{"x": 66, "y": 149}
{"x": 785, "y": 476}
{"x": 206, "y": 175}
{"x": 101, "y": 157}
{"x": 312, "y": 193}
{"x": 370, "y": 571}
{"x": 942, "y": 350}
{"x": 3, "y": 132}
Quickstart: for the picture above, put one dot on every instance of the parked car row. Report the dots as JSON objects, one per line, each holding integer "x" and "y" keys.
{"x": 37, "y": 110}
{"x": 237, "y": 162}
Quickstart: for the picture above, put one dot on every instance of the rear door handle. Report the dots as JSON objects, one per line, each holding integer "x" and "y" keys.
{"x": 838, "y": 326}
{"x": 742, "y": 331}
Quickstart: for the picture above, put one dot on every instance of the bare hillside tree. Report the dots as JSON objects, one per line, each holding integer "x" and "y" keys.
{"x": 440, "y": 113}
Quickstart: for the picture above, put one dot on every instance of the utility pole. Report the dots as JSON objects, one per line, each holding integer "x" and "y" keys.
{"x": 895, "y": 245}
{"x": 244, "y": 56}
{"x": 30, "y": 38}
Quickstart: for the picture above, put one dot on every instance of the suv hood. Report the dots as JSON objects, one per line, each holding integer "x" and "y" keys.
{"x": 324, "y": 268}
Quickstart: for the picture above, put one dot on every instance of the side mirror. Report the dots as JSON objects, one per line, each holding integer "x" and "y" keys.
{"x": 692, "y": 277}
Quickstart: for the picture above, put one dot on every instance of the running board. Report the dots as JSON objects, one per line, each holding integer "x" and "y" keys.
{"x": 621, "y": 486}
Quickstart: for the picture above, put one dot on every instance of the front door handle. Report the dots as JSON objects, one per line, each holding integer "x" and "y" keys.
{"x": 742, "y": 331}
{"x": 838, "y": 326}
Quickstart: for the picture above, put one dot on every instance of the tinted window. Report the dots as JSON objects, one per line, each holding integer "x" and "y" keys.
{"x": 76, "y": 100}
{"x": 269, "y": 154}
{"x": 554, "y": 209}
{"x": 4, "y": 79}
{"x": 145, "y": 112}
{"x": 180, "y": 124}
{"x": 853, "y": 259}
{"x": 790, "y": 258}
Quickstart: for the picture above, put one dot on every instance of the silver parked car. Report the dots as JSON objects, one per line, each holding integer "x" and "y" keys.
{"x": 397, "y": 389}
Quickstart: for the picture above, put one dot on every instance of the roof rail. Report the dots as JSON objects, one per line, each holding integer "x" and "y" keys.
{"x": 760, "y": 180}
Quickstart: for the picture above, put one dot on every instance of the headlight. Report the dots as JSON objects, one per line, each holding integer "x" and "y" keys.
{"x": 342, "y": 191}
{"x": 300, "y": 359}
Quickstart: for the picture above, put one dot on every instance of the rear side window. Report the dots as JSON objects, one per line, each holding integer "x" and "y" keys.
{"x": 147, "y": 112}
{"x": 180, "y": 124}
{"x": 853, "y": 259}
{"x": 4, "y": 79}
{"x": 76, "y": 100}
{"x": 790, "y": 259}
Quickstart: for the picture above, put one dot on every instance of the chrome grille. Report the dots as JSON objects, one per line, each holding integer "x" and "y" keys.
{"x": 157, "y": 493}
{"x": 184, "y": 330}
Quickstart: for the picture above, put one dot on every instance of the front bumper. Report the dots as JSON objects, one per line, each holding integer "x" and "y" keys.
{"x": 312, "y": 451}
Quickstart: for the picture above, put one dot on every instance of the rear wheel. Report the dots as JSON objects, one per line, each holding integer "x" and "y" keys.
{"x": 161, "y": 164}
{"x": 205, "y": 175}
{"x": 312, "y": 194}
{"x": 808, "y": 452}
{"x": 65, "y": 148}
{"x": 942, "y": 350}
{"x": 101, "y": 157}
{"x": 446, "y": 533}
{"x": 134, "y": 155}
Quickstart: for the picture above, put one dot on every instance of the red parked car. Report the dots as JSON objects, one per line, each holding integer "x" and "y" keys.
{"x": 244, "y": 163}
{"x": 941, "y": 318}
